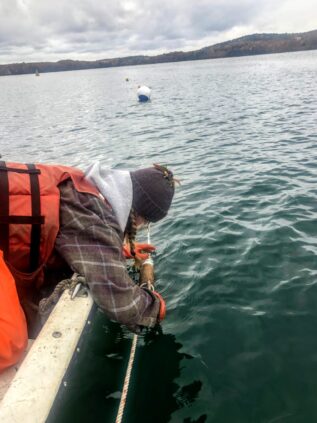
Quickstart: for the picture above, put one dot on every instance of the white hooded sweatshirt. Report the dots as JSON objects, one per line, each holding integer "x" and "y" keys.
{"x": 116, "y": 187}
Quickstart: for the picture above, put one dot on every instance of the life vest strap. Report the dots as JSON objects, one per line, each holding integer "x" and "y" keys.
{"x": 23, "y": 220}
{"x": 4, "y": 210}
{"x": 31, "y": 171}
{"x": 36, "y": 213}
{"x": 36, "y": 220}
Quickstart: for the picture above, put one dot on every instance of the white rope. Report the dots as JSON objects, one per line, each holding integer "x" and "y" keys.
{"x": 127, "y": 380}
{"x": 148, "y": 234}
{"x": 126, "y": 383}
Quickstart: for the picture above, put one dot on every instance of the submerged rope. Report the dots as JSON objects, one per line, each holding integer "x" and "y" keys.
{"x": 127, "y": 380}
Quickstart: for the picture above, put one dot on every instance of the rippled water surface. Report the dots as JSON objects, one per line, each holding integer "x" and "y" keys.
{"x": 237, "y": 254}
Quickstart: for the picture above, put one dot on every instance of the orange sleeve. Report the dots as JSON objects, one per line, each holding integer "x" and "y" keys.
{"x": 13, "y": 329}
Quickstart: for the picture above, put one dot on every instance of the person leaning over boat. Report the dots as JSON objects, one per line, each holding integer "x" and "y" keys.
{"x": 50, "y": 210}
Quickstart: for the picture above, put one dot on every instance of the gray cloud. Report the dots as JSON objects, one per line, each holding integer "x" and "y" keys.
{"x": 95, "y": 29}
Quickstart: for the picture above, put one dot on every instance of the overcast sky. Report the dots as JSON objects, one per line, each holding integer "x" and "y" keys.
{"x": 50, "y": 30}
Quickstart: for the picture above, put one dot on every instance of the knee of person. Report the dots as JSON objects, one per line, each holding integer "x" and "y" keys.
{"x": 12, "y": 347}
{"x": 13, "y": 328}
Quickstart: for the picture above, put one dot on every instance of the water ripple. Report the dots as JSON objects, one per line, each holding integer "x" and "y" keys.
{"x": 237, "y": 254}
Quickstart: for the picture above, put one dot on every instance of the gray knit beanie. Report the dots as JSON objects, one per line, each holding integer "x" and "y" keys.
{"x": 153, "y": 190}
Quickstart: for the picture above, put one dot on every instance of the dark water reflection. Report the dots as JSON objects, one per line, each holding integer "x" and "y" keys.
{"x": 93, "y": 384}
{"x": 158, "y": 368}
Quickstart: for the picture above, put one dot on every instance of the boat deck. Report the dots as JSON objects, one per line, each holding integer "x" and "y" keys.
{"x": 28, "y": 390}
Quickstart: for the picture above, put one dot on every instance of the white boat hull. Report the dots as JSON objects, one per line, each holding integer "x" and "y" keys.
{"x": 34, "y": 387}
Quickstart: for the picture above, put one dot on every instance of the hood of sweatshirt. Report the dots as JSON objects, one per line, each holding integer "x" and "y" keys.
{"x": 116, "y": 187}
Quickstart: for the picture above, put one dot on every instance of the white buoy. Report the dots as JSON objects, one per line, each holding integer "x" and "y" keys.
{"x": 144, "y": 93}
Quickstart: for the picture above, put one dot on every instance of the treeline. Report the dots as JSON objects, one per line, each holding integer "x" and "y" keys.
{"x": 243, "y": 46}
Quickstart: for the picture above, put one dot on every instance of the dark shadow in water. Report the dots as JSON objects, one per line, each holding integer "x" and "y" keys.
{"x": 95, "y": 378}
{"x": 154, "y": 394}
{"x": 95, "y": 375}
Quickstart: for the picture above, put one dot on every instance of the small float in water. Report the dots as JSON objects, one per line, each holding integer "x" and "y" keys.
{"x": 144, "y": 93}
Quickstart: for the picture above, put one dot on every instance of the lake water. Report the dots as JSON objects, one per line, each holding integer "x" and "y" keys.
{"x": 237, "y": 255}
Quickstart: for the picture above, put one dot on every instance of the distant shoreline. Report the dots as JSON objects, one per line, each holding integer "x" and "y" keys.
{"x": 249, "y": 45}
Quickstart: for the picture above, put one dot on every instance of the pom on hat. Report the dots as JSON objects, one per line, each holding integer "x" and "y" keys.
{"x": 153, "y": 191}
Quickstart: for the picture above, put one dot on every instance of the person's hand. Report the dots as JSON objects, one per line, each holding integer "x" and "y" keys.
{"x": 141, "y": 251}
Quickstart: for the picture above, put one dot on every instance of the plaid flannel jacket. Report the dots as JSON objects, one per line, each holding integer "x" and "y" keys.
{"x": 90, "y": 240}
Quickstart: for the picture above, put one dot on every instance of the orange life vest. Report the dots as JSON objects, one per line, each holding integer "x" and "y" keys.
{"x": 29, "y": 224}
{"x": 29, "y": 214}
{"x": 13, "y": 331}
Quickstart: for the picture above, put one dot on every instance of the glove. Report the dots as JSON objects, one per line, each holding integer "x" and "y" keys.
{"x": 139, "y": 248}
{"x": 162, "y": 312}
